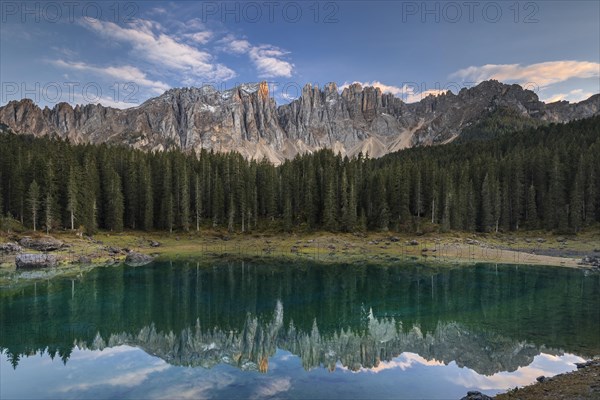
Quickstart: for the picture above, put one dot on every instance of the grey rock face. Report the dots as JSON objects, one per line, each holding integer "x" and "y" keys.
{"x": 10, "y": 248}
{"x": 247, "y": 120}
{"x": 34, "y": 261}
{"x": 41, "y": 244}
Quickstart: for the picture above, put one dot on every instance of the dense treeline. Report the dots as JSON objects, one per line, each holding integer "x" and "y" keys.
{"x": 543, "y": 178}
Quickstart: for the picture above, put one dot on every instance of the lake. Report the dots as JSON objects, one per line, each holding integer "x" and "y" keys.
{"x": 295, "y": 330}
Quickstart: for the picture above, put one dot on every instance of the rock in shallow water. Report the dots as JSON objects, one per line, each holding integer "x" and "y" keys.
{"x": 32, "y": 261}
{"x": 135, "y": 259}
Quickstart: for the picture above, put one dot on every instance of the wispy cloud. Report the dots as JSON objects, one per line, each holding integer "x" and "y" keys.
{"x": 150, "y": 42}
{"x": 541, "y": 74}
{"x": 575, "y": 95}
{"x": 407, "y": 93}
{"x": 106, "y": 101}
{"x": 125, "y": 73}
{"x": 269, "y": 60}
{"x": 202, "y": 37}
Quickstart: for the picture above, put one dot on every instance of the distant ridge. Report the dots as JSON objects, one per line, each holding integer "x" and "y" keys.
{"x": 247, "y": 120}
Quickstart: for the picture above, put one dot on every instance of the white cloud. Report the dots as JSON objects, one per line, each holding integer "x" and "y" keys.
{"x": 267, "y": 62}
{"x": 268, "y": 59}
{"x": 239, "y": 46}
{"x": 573, "y": 96}
{"x": 543, "y": 364}
{"x": 132, "y": 378}
{"x": 149, "y": 42}
{"x": 200, "y": 37}
{"x": 124, "y": 74}
{"x": 106, "y": 101}
{"x": 403, "y": 362}
{"x": 272, "y": 388}
{"x": 541, "y": 74}
{"x": 407, "y": 92}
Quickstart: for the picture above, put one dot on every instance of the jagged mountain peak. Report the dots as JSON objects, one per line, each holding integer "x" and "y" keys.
{"x": 246, "y": 119}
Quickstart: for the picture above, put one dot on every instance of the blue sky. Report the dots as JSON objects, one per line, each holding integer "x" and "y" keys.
{"x": 122, "y": 53}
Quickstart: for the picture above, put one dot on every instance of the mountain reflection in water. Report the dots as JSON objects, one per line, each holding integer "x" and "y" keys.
{"x": 487, "y": 318}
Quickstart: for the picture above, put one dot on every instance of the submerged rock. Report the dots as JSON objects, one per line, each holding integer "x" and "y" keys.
{"x": 135, "y": 259}
{"x": 25, "y": 261}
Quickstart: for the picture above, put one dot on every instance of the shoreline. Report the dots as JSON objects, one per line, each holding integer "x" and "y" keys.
{"x": 529, "y": 248}
{"x": 582, "y": 383}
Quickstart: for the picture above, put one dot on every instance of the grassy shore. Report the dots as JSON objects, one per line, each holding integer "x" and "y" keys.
{"x": 453, "y": 248}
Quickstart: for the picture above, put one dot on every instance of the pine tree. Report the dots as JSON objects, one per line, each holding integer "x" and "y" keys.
{"x": 113, "y": 198}
{"x": 329, "y": 203}
{"x": 1, "y": 199}
{"x": 532, "y": 219}
{"x": 185, "y": 199}
{"x": 33, "y": 202}
{"x": 446, "y": 213}
{"x": 146, "y": 196}
{"x": 50, "y": 200}
{"x": 558, "y": 215}
{"x": 505, "y": 206}
{"x": 217, "y": 200}
{"x": 486, "y": 215}
{"x": 72, "y": 195}
{"x": 591, "y": 194}
{"x": 345, "y": 202}
{"x": 87, "y": 195}
{"x": 132, "y": 191}
{"x": 197, "y": 201}
{"x": 576, "y": 204}
{"x": 380, "y": 207}
{"x": 167, "y": 206}
{"x": 471, "y": 214}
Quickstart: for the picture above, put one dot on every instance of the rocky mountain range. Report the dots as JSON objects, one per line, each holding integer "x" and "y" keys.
{"x": 246, "y": 119}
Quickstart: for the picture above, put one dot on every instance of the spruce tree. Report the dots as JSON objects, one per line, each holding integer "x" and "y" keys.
{"x": 167, "y": 206}
{"x": 197, "y": 201}
{"x": 72, "y": 195}
{"x": 184, "y": 198}
{"x": 486, "y": 212}
{"x": 113, "y": 198}
{"x": 532, "y": 218}
{"x": 50, "y": 198}
{"x": 33, "y": 202}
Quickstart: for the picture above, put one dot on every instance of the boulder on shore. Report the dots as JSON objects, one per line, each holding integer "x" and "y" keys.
{"x": 474, "y": 395}
{"x": 135, "y": 259}
{"x": 10, "y": 248}
{"x": 593, "y": 261}
{"x": 29, "y": 261}
{"x": 46, "y": 243}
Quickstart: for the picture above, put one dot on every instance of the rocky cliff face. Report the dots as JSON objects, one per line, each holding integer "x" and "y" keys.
{"x": 247, "y": 120}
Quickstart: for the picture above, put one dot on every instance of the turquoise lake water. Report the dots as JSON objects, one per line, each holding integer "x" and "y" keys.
{"x": 301, "y": 330}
